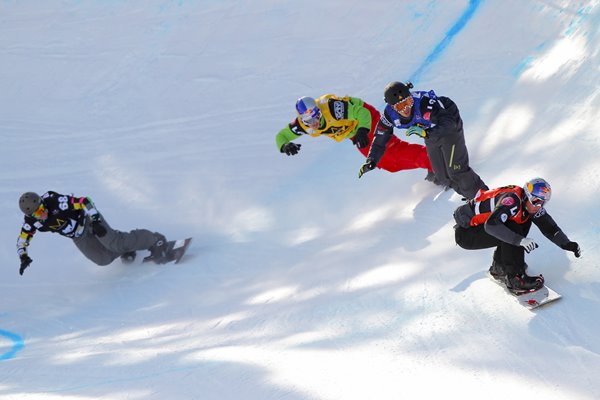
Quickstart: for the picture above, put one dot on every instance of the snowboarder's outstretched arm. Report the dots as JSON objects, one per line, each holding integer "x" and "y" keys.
{"x": 284, "y": 138}
{"x": 383, "y": 134}
{"x": 23, "y": 240}
{"x": 28, "y": 229}
{"x": 552, "y": 231}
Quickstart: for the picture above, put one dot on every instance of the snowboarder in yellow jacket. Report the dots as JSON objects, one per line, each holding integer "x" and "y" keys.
{"x": 348, "y": 118}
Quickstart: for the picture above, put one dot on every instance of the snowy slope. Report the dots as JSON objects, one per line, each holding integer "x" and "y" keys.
{"x": 303, "y": 282}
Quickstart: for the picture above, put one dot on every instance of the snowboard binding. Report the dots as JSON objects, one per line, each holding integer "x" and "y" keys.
{"x": 167, "y": 252}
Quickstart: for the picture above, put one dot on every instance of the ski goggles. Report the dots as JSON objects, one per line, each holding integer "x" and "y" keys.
{"x": 402, "y": 104}
{"x": 311, "y": 117}
{"x": 537, "y": 201}
{"x": 40, "y": 213}
{"x": 538, "y": 194}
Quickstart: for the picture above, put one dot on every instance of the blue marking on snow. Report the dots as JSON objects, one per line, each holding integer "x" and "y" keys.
{"x": 580, "y": 16}
{"x": 17, "y": 344}
{"x": 523, "y": 65}
{"x": 443, "y": 44}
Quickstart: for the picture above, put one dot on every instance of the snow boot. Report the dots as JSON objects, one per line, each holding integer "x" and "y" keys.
{"x": 431, "y": 178}
{"x": 129, "y": 257}
{"x": 523, "y": 283}
{"x": 497, "y": 271}
{"x": 159, "y": 250}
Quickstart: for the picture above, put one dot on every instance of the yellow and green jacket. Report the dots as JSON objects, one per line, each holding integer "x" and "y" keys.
{"x": 340, "y": 119}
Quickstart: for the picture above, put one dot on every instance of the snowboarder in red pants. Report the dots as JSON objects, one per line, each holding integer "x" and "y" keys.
{"x": 399, "y": 155}
{"x": 348, "y": 117}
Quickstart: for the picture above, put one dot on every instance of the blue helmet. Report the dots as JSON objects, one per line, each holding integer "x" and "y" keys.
{"x": 308, "y": 110}
{"x": 538, "y": 191}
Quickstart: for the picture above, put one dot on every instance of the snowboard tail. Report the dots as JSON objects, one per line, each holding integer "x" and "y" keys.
{"x": 531, "y": 299}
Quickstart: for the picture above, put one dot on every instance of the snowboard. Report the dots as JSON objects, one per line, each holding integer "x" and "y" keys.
{"x": 534, "y": 299}
{"x": 175, "y": 251}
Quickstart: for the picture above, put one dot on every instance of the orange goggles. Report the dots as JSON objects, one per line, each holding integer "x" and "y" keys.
{"x": 39, "y": 213}
{"x": 399, "y": 106}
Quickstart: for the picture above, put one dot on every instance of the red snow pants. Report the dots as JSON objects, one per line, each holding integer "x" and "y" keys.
{"x": 399, "y": 155}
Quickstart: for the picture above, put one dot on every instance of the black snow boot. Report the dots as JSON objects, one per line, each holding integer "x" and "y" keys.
{"x": 524, "y": 283}
{"x": 497, "y": 271}
{"x": 159, "y": 250}
{"x": 431, "y": 178}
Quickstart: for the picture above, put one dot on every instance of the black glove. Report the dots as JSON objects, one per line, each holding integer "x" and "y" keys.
{"x": 97, "y": 227}
{"x": 366, "y": 167}
{"x": 361, "y": 139}
{"x": 290, "y": 148}
{"x": 574, "y": 247}
{"x": 25, "y": 261}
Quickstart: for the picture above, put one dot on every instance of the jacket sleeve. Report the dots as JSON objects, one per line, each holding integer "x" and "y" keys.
{"x": 357, "y": 111}
{"x": 27, "y": 232}
{"x": 84, "y": 204}
{"x": 495, "y": 224}
{"x": 285, "y": 135}
{"x": 550, "y": 228}
{"x": 445, "y": 116}
{"x": 383, "y": 134}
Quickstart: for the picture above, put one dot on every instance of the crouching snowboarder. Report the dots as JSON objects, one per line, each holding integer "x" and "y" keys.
{"x": 501, "y": 218}
{"x": 77, "y": 218}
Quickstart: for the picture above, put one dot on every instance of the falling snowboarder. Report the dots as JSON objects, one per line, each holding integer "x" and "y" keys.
{"x": 77, "y": 218}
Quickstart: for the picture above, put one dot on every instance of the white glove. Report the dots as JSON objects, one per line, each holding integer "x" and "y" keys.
{"x": 528, "y": 244}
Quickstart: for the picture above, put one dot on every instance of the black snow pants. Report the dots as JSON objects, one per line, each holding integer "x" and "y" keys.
{"x": 449, "y": 157}
{"x": 510, "y": 257}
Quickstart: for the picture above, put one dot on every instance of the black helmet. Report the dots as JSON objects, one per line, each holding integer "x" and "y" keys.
{"x": 396, "y": 91}
{"x": 29, "y": 202}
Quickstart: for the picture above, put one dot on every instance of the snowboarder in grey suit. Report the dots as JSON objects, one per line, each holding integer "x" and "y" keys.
{"x": 77, "y": 218}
